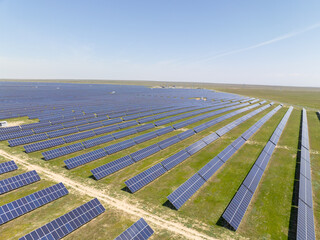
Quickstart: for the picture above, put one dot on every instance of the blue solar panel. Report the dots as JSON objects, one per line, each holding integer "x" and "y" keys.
{"x": 263, "y": 160}
{"x": 163, "y": 131}
{"x": 106, "y": 129}
{"x": 62, "y": 151}
{"x": 111, "y": 167}
{"x": 253, "y": 178}
{"x": 33, "y": 201}
{"x": 195, "y": 147}
{"x": 227, "y": 153}
{"x": 90, "y": 126}
{"x": 8, "y": 167}
{"x": 85, "y": 158}
{"x": 305, "y": 190}
{"x": 111, "y": 121}
{"x": 237, "y": 207}
{"x": 127, "y": 124}
{"x": 145, "y": 127}
{"x": 237, "y": 144}
{"x": 305, "y": 169}
{"x": 138, "y": 231}
{"x": 210, "y": 138}
{"x": 145, "y": 152}
{"x": 185, "y": 191}
{"x": 78, "y": 136}
{"x": 124, "y": 133}
{"x": 185, "y": 134}
{"x": 269, "y": 148}
{"x": 99, "y": 140}
{"x": 145, "y": 177}
{"x": 62, "y": 132}
{"x": 18, "y": 181}
{"x": 305, "y": 225}
{"x": 48, "y": 128}
{"x": 67, "y": 223}
{"x": 43, "y": 145}
{"x": 145, "y": 137}
{"x": 11, "y": 135}
{"x": 119, "y": 146}
{"x": 28, "y": 139}
{"x": 175, "y": 159}
{"x": 168, "y": 142}
{"x": 210, "y": 168}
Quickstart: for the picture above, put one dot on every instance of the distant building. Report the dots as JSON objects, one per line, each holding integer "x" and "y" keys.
{"x": 3, "y": 124}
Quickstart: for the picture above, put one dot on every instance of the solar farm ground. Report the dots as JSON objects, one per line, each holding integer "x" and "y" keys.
{"x": 271, "y": 213}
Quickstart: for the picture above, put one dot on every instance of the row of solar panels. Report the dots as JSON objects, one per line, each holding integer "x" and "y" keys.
{"x": 236, "y": 209}
{"x": 305, "y": 223}
{"x": 63, "y": 129}
{"x": 96, "y": 141}
{"x": 102, "y": 127}
{"x": 63, "y": 225}
{"x": 179, "y": 196}
{"x": 142, "y": 179}
{"x": 88, "y": 157}
{"x": 123, "y": 162}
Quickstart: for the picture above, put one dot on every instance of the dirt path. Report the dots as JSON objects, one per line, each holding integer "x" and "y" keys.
{"x": 121, "y": 205}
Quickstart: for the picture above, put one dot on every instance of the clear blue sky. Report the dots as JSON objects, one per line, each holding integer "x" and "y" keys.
{"x": 274, "y": 42}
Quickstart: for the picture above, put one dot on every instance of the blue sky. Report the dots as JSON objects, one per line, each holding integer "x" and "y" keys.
{"x": 254, "y": 42}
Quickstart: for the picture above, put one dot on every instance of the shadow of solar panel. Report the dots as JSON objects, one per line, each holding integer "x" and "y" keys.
{"x": 225, "y": 154}
{"x": 185, "y": 134}
{"x": 97, "y": 141}
{"x": 237, "y": 207}
{"x": 43, "y": 145}
{"x": 33, "y": 201}
{"x": 138, "y": 231}
{"x": 106, "y": 129}
{"x": 111, "y": 121}
{"x": 78, "y": 136}
{"x": 18, "y": 181}
{"x": 8, "y": 167}
{"x": 163, "y": 131}
{"x": 62, "y": 151}
{"x": 185, "y": 191}
{"x": 305, "y": 225}
{"x": 305, "y": 190}
{"x": 124, "y": 133}
{"x": 85, "y": 158}
{"x": 112, "y": 167}
{"x": 210, "y": 168}
{"x": 67, "y": 223}
{"x": 195, "y": 147}
{"x": 253, "y": 178}
{"x": 28, "y": 139}
{"x": 175, "y": 159}
{"x": 145, "y": 137}
{"x": 145, "y": 152}
{"x": 62, "y": 132}
{"x": 145, "y": 177}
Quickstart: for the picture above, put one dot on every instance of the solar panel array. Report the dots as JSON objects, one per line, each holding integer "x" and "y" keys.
{"x": 147, "y": 176}
{"x": 9, "y": 184}
{"x": 116, "y": 165}
{"x": 178, "y": 197}
{"x": 305, "y": 225}
{"x": 140, "y": 230}
{"x": 67, "y": 223}
{"x": 235, "y": 211}
{"x": 33, "y": 201}
{"x": 8, "y": 167}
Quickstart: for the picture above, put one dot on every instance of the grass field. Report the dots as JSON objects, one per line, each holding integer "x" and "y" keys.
{"x": 270, "y": 214}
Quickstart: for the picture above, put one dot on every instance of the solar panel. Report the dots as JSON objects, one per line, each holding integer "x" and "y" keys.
{"x": 145, "y": 127}
{"x": 111, "y": 167}
{"x": 237, "y": 144}
{"x": 18, "y": 181}
{"x": 33, "y": 201}
{"x": 8, "y": 167}
{"x": 305, "y": 225}
{"x": 119, "y": 146}
{"x": 48, "y": 128}
{"x": 28, "y": 139}
{"x": 175, "y": 159}
{"x": 185, "y": 134}
{"x": 140, "y": 230}
{"x": 237, "y": 207}
{"x": 168, "y": 142}
{"x": 12, "y": 135}
{"x": 78, "y": 136}
{"x": 127, "y": 124}
{"x": 210, "y": 168}
{"x": 145, "y": 177}
{"x": 195, "y": 147}
{"x": 253, "y": 178}
{"x": 263, "y": 160}
{"x": 67, "y": 223}
{"x": 185, "y": 191}
{"x": 62, "y": 132}
{"x": 210, "y": 138}
{"x": 145, "y": 152}
{"x": 75, "y": 123}
{"x": 163, "y": 131}
{"x": 43, "y": 145}
{"x": 99, "y": 140}
{"x": 90, "y": 126}
{"x": 269, "y": 148}
{"x": 85, "y": 158}
{"x": 55, "y": 153}
{"x": 305, "y": 191}
{"x": 305, "y": 169}
{"x": 106, "y": 129}
{"x": 225, "y": 154}
{"x": 124, "y": 133}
